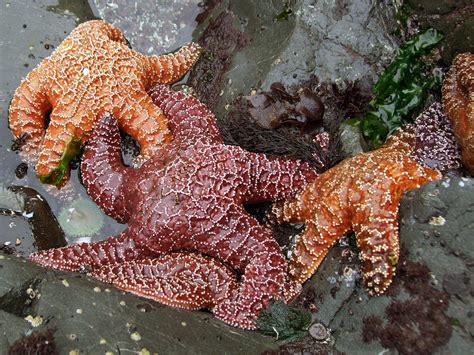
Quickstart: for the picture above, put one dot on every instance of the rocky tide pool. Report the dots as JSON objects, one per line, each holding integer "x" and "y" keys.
{"x": 309, "y": 65}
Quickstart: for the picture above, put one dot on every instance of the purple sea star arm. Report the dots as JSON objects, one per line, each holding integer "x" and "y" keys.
{"x": 190, "y": 121}
{"x": 103, "y": 172}
{"x": 184, "y": 280}
{"x": 84, "y": 255}
{"x": 274, "y": 178}
{"x": 243, "y": 244}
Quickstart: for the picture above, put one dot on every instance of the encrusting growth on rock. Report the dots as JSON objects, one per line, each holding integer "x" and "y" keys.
{"x": 458, "y": 102}
{"x": 187, "y": 197}
{"x": 360, "y": 194}
{"x": 91, "y": 72}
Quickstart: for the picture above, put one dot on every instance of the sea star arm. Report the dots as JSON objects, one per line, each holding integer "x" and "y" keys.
{"x": 274, "y": 178}
{"x": 326, "y": 222}
{"x": 168, "y": 68}
{"x": 58, "y": 148}
{"x": 99, "y": 27}
{"x": 245, "y": 245}
{"x": 189, "y": 120}
{"x": 28, "y": 109}
{"x": 377, "y": 238}
{"x": 102, "y": 170}
{"x": 145, "y": 122}
{"x": 184, "y": 280}
{"x": 86, "y": 256}
{"x": 458, "y": 102}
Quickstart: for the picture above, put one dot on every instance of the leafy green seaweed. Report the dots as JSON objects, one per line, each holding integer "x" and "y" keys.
{"x": 284, "y": 322}
{"x": 402, "y": 87}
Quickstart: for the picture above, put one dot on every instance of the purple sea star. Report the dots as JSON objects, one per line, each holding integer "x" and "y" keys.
{"x": 188, "y": 197}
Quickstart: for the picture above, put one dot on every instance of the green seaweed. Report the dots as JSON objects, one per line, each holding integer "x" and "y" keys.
{"x": 283, "y": 322}
{"x": 402, "y": 87}
{"x": 56, "y": 176}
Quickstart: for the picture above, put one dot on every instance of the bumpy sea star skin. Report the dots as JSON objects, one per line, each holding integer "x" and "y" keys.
{"x": 435, "y": 144}
{"x": 458, "y": 102}
{"x": 360, "y": 194}
{"x": 190, "y": 281}
{"x": 189, "y": 196}
{"x": 92, "y": 71}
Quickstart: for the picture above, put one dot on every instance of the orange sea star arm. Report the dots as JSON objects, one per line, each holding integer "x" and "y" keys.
{"x": 29, "y": 107}
{"x": 168, "y": 68}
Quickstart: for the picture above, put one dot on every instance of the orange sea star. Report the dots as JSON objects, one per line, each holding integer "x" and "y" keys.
{"x": 360, "y": 194}
{"x": 92, "y": 71}
{"x": 458, "y": 102}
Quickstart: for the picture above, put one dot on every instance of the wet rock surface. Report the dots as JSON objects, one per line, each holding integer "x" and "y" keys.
{"x": 267, "y": 42}
{"x": 454, "y": 18}
{"x": 151, "y": 26}
{"x": 337, "y": 40}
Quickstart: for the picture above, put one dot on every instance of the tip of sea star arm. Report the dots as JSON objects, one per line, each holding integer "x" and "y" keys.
{"x": 59, "y": 259}
{"x": 92, "y": 27}
{"x": 168, "y": 68}
{"x": 59, "y": 174}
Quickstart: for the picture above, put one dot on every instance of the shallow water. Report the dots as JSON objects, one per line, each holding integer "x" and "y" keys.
{"x": 30, "y": 32}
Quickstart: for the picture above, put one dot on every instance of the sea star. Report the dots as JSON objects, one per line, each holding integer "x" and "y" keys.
{"x": 458, "y": 102}
{"x": 435, "y": 144}
{"x": 90, "y": 72}
{"x": 360, "y": 194}
{"x": 189, "y": 196}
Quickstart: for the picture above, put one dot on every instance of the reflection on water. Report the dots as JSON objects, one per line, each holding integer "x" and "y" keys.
{"x": 30, "y": 32}
{"x": 152, "y": 26}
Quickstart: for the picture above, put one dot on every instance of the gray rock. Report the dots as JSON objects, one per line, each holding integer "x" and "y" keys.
{"x": 151, "y": 26}
{"x": 455, "y": 18}
{"x": 353, "y": 142}
{"x": 334, "y": 40}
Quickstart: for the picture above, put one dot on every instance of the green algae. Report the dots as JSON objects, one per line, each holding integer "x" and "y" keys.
{"x": 402, "y": 87}
{"x": 56, "y": 176}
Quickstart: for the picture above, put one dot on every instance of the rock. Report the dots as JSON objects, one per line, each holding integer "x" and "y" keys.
{"x": 353, "y": 142}
{"x": 454, "y": 18}
{"x": 93, "y": 318}
{"x": 337, "y": 40}
{"x": 26, "y": 204}
{"x": 151, "y": 26}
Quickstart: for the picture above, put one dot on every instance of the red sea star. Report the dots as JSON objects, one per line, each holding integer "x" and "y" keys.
{"x": 189, "y": 196}
{"x": 360, "y": 194}
{"x": 92, "y": 71}
{"x": 458, "y": 102}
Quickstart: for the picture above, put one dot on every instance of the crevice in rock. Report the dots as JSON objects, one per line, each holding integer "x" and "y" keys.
{"x": 21, "y": 301}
